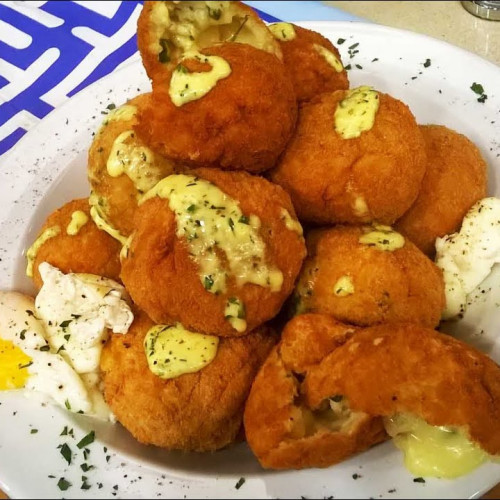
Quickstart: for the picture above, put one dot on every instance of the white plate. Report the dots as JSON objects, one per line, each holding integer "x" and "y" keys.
{"x": 47, "y": 168}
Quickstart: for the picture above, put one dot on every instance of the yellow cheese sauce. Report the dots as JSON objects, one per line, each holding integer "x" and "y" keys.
{"x": 209, "y": 219}
{"x": 137, "y": 162}
{"x": 356, "y": 112}
{"x": 187, "y": 86}
{"x": 283, "y": 32}
{"x": 234, "y": 312}
{"x": 13, "y": 366}
{"x": 383, "y": 238}
{"x": 434, "y": 451}
{"x": 172, "y": 351}
{"x": 50, "y": 232}
{"x": 124, "y": 112}
{"x": 343, "y": 287}
{"x": 97, "y": 215}
{"x": 329, "y": 57}
{"x": 291, "y": 223}
{"x": 78, "y": 220}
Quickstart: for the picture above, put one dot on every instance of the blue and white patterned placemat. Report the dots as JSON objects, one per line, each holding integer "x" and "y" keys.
{"x": 51, "y": 50}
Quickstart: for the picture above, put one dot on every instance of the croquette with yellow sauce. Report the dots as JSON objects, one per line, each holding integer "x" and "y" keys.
{"x": 282, "y": 430}
{"x": 121, "y": 168}
{"x": 455, "y": 179}
{"x": 167, "y": 30}
{"x": 312, "y": 61}
{"x": 70, "y": 241}
{"x": 368, "y": 275}
{"x": 356, "y": 156}
{"x": 230, "y": 106}
{"x": 199, "y": 411}
{"x": 216, "y": 251}
{"x": 439, "y": 397}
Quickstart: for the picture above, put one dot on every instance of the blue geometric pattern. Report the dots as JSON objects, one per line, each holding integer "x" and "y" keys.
{"x": 56, "y": 49}
{"x": 72, "y": 50}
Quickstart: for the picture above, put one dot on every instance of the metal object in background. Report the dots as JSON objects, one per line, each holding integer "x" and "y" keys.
{"x": 485, "y": 9}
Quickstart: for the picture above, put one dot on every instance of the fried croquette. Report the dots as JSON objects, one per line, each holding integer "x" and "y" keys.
{"x": 281, "y": 429}
{"x": 455, "y": 179}
{"x": 369, "y": 275}
{"x": 374, "y": 176}
{"x": 395, "y": 369}
{"x": 240, "y": 115}
{"x": 209, "y": 266}
{"x": 199, "y": 411}
{"x": 313, "y": 62}
{"x": 70, "y": 241}
{"x": 121, "y": 167}
{"x": 167, "y": 30}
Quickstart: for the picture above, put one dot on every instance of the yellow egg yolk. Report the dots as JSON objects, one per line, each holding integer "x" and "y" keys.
{"x": 13, "y": 366}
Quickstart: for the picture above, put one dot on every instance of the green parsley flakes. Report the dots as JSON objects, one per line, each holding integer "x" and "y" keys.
{"x": 86, "y": 440}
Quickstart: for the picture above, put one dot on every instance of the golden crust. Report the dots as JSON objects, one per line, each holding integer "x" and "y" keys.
{"x": 118, "y": 193}
{"x": 404, "y": 368}
{"x": 89, "y": 251}
{"x": 389, "y": 286}
{"x": 194, "y": 412}
{"x": 164, "y": 281}
{"x": 280, "y": 427}
{"x": 243, "y": 123}
{"x": 327, "y": 176}
{"x": 455, "y": 179}
{"x": 189, "y": 16}
{"x": 310, "y": 72}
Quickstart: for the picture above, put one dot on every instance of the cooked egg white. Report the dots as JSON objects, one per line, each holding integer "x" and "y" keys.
{"x": 78, "y": 311}
{"x": 27, "y": 361}
{"x": 467, "y": 257}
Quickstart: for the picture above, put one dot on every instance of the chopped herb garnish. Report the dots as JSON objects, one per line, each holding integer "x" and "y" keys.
{"x": 86, "y": 467}
{"x": 353, "y": 46}
{"x": 181, "y": 69}
{"x": 65, "y": 324}
{"x": 244, "y": 220}
{"x": 67, "y": 337}
{"x": 348, "y": 67}
{"x": 359, "y": 66}
{"x": 33, "y": 431}
{"x": 340, "y": 41}
{"x": 427, "y": 63}
{"x": 66, "y": 453}
{"x": 86, "y": 453}
{"x": 64, "y": 431}
{"x": 45, "y": 348}
{"x": 240, "y": 483}
{"x": 25, "y": 366}
{"x": 111, "y": 106}
{"x": 67, "y": 405}
{"x": 164, "y": 56}
{"x": 63, "y": 484}
{"x": 356, "y": 476}
{"x": 208, "y": 282}
{"x": 85, "y": 485}
{"x": 231, "y": 223}
{"x": 419, "y": 480}
{"x": 191, "y": 208}
{"x": 478, "y": 89}
{"x": 214, "y": 13}
{"x": 22, "y": 335}
{"x": 86, "y": 440}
